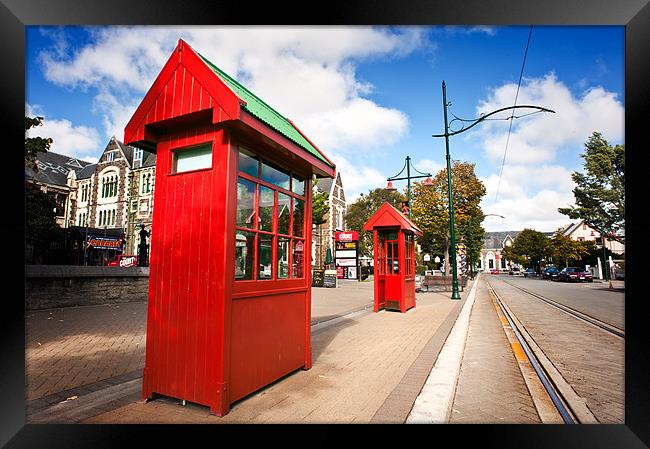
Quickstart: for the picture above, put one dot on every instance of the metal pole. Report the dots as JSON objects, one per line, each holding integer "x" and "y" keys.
{"x": 454, "y": 268}
{"x": 408, "y": 183}
{"x": 605, "y": 264}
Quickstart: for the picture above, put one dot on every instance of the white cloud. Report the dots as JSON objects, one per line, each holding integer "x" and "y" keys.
{"x": 306, "y": 73}
{"x": 79, "y": 142}
{"x": 538, "y": 138}
{"x": 357, "y": 178}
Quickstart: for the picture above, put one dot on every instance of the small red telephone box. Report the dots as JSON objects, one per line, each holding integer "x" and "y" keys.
{"x": 394, "y": 242}
{"x": 229, "y": 284}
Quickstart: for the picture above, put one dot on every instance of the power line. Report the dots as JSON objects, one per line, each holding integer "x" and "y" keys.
{"x": 521, "y": 74}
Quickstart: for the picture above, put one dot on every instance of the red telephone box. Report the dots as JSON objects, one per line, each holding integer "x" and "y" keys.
{"x": 229, "y": 288}
{"x": 394, "y": 242}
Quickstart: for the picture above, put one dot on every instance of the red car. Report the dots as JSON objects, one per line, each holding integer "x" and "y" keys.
{"x": 122, "y": 260}
{"x": 494, "y": 271}
{"x": 574, "y": 274}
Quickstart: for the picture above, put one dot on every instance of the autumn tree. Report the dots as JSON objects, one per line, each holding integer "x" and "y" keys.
{"x": 363, "y": 208}
{"x": 430, "y": 210}
{"x": 600, "y": 191}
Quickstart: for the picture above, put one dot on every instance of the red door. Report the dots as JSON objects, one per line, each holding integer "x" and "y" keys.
{"x": 392, "y": 276}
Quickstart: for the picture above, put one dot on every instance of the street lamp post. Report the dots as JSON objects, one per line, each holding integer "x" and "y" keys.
{"x": 427, "y": 182}
{"x": 455, "y": 294}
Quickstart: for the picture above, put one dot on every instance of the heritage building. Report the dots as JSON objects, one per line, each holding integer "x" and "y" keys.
{"x": 323, "y": 235}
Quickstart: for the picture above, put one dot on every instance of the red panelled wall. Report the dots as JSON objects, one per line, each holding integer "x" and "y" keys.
{"x": 185, "y": 337}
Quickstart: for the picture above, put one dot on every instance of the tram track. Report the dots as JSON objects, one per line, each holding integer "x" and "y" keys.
{"x": 567, "y": 403}
{"x": 607, "y": 327}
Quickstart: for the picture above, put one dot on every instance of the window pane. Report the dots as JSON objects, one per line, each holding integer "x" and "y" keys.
{"x": 248, "y": 163}
{"x": 298, "y": 217}
{"x": 284, "y": 213}
{"x": 275, "y": 176}
{"x": 283, "y": 257}
{"x": 245, "y": 204}
{"x": 266, "y": 209}
{"x": 298, "y": 186}
{"x": 297, "y": 257}
{"x": 244, "y": 244}
{"x": 193, "y": 159}
{"x": 264, "y": 243}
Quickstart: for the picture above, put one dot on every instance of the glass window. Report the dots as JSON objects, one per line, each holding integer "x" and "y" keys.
{"x": 283, "y": 257}
{"x": 264, "y": 247}
{"x": 298, "y": 186}
{"x": 275, "y": 176}
{"x": 298, "y": 217}
{"x": 248, "y": 163}
{"x": 284, "y": 213}
{"x": 297, "y": 257}
{"x": 245, "y": 204}
{"x": 244, "y": 245}
{"x": 266, "y": 209}
{"x": 192, "y": 159}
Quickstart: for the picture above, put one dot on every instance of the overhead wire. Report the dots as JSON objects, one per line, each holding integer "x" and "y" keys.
{"x": 505, "y": 152}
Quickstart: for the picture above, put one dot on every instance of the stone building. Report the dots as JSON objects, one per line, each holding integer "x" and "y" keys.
{"x": 323, "y": 235}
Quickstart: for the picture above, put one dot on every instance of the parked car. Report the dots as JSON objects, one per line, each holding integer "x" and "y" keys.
{"x": 574, "y": 274}
{"x": 620, "y": 275}
{"x": 529, "y": 272}
{"x": 550, "y": 273}
{"x": 515, "y": 271}
{"x": 494, "y": 271}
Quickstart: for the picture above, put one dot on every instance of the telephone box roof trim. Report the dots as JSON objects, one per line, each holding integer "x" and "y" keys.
{"x": 387, "y": 216}
{"x": 265, "y": 113}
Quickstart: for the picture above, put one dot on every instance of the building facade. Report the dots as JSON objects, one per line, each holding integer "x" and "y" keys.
{"x": 580, "y": 231}
{"x": 323, "y": 236}
{"x": 492, "y": 251}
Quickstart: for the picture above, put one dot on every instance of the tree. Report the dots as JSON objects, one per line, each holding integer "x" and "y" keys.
{"x": 430, "y": 210}
{"x": 320, "y": 208}
{"x": 600, "y": 192}
{"x": 363, "y": 208}
{"x": 40, "y": 220}
{"x": 564, "y": 248}
{"x": 530, "y": 247}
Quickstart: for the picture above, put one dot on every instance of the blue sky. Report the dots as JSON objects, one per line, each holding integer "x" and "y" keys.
{"x": 367, "y": 96}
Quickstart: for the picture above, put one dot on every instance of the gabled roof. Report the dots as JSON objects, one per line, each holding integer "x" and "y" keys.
{"x": 228, "y": 101}
{"x": 388, "y": 216}
{"x": 53, "y": 168}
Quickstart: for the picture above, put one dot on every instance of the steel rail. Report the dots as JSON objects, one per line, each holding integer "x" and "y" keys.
{"x": 575, "y": 313}
{"x": 559, "y": 402}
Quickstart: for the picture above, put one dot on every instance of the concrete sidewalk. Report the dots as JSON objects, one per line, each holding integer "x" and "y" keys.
{"x": 368, "y": 368}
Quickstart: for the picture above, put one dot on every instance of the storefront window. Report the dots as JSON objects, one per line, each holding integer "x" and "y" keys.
{"x": 284, "y": 213}
{"x": 283, "y": 257}
{"x": 266, "y": 209}
{"x": 275, "y": 176}
{"x": 245, "y": 204}
{"x": 244, "y": 244}
{"x": 271, "y": 244}
{"x": 265, "y": 245}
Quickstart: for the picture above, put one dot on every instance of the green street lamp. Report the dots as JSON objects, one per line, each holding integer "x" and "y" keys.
{"x": 455, "y": 295}
{"x": 407, "y": 166}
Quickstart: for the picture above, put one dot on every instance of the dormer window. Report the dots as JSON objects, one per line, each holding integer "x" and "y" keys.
{"x": 110, "y": 157}
{"x": 137, "y": 158}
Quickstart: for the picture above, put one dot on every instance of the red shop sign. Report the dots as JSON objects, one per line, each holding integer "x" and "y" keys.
{"x": 351, "y": 236}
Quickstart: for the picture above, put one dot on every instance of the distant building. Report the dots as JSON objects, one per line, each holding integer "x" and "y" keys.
{"x": 492, "y": 251}
{"x": 580, "y": 231}
{"x": 102, "y": 203}
{"x": 335, "y": 220}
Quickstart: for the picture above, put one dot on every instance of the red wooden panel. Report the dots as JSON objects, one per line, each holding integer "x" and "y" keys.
{"x": 267, "y": 340}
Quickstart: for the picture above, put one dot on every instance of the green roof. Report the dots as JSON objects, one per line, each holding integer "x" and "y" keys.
{"x": 266, "y": 113}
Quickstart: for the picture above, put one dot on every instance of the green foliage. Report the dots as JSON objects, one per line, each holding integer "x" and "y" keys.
{"x": 564, "y": 249}
{"x": 320, "y": 208}
{"x": 600, "y": 191}
{"x": 34, "y": 145}
{"x": 529, "y": 248}
{"x": 40, "y": 220}
{"x": 430, "y": 210}
{"x": 363, "y": 208}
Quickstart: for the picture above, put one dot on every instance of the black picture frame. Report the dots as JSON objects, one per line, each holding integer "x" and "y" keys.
{"x": 633, "y": 14}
